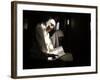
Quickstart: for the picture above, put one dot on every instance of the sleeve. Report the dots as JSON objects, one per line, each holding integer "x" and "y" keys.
{"x": 40, "y": 38}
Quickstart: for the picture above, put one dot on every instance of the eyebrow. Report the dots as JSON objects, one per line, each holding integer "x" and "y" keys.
{"x": 52, "y": 24}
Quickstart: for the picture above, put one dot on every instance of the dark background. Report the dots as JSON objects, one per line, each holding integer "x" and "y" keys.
{"x": 77, "y": 39}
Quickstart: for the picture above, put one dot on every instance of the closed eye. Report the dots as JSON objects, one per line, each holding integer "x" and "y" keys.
{"x": 52, "y": 24}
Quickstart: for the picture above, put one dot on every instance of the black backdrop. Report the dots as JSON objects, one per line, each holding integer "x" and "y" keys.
{"x": 77, "y": 39}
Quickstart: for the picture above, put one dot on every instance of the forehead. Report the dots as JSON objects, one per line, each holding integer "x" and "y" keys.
{"x": 52, "y": 21}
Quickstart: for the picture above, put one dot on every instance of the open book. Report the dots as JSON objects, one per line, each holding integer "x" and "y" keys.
{"x": 58, "y": 52}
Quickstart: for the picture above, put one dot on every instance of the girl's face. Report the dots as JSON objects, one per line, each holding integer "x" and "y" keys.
{"x": 50, "y": 24}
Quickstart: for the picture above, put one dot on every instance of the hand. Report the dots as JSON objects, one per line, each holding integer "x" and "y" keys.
{"x": 52, "y": 57}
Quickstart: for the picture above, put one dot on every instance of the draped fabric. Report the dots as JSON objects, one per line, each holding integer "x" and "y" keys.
{"x": 55, "y": 38}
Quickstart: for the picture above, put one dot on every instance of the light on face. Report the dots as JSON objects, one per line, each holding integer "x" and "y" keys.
{"x": 51, "y": 23}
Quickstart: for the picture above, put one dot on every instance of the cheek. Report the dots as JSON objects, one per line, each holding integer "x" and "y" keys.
{"x": 49, "y": 25}
{"x": 49, "y": 29}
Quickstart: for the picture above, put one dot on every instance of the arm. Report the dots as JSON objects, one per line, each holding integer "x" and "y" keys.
{"x": 40, "y": 38}
{"x": 43, "y": 39}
